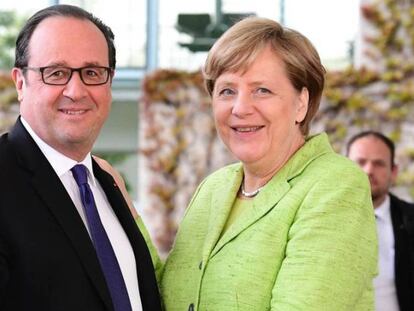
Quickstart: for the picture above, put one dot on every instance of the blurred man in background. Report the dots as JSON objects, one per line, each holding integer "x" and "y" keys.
{"x": 394, "y": 290}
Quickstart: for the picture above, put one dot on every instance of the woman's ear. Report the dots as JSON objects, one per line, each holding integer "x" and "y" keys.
{"x": 302, "y": 105}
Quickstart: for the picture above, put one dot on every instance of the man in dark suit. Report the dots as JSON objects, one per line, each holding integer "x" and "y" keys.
{"x": 394, "y": 285}
{"x": 67, "y": 238}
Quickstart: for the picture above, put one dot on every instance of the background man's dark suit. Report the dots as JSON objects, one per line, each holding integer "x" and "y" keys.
{"x": 402, "y": 215}
{"x": 47, "y": 260}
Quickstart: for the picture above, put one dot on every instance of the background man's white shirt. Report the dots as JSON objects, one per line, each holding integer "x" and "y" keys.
{"x": 384, "y": 283}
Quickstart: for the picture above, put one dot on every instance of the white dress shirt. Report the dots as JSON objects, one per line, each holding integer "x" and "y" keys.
{"x": 384, "y": 283}
{"x": 116, "y": 234}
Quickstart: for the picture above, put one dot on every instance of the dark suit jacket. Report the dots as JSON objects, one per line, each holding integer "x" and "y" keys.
{"x": 47, "y": 260}
{"x": 402, "y": 215}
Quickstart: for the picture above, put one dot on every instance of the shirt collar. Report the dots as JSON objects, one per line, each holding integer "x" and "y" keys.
{"x": 60, "y": 163}
{"x": 383, "y": 211}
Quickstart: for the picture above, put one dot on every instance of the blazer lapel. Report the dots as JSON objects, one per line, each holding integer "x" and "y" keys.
{"x": 268, "y": 198}
{"x": 265, "y": 201}
{"x": 50, "y": 189}
{"x": 221, "y": 203}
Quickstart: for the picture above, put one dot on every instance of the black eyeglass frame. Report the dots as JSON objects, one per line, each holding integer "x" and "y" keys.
{"x": 79, "y": 70}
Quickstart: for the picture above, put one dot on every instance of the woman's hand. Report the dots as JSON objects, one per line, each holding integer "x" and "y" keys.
{"x": 119, "y": 181}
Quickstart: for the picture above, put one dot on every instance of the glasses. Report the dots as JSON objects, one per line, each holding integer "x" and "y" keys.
{"x": 58, "y": 75}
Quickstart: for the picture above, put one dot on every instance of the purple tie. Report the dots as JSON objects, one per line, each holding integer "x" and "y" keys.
{"x": 103, "y": 247}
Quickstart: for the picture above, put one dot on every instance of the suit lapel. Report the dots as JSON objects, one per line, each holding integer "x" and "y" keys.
{"x": 402, "y": 216}
{"x": 61, "y": 206}
{"x": 51, "y": 191}
{"x": 145, "y": 271}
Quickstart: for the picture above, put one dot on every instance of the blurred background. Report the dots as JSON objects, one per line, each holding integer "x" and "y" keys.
{"x": 147, "y": 38}
{"x": 160, "y": 134}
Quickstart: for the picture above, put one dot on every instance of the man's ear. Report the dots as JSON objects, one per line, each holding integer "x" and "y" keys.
{"x": 19, "y": 82}
{"x": 303, "y": 102}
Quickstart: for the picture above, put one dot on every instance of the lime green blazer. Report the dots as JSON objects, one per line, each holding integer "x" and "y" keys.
{"x": 309, "y": 242}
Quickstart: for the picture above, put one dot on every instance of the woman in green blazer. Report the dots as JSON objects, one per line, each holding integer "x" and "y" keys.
{"x": 291, "y": 227}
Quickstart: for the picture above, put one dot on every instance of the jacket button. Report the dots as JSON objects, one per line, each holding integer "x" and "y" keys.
{"x": 191, "y": 307}
{"x": 200, "y": 265}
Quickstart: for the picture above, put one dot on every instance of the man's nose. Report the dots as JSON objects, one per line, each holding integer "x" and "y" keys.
{"x": 367, "y": 168}
{"x": 75, "y": 88}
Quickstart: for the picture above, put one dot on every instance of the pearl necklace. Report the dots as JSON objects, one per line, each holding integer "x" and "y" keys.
{"x": 250, "y": 194}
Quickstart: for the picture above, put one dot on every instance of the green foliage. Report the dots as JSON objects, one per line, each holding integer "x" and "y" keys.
{"x": 8, "y": 102}
{"x": 10, "y": 25}
{"x": 380, "y": 98}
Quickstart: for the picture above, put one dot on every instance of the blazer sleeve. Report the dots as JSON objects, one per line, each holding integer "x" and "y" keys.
{"x": 331, "y": 252}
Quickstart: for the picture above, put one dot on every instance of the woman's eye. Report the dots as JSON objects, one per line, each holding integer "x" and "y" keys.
{"x": 226, "y": 92}
{"x": 262, "y": 90}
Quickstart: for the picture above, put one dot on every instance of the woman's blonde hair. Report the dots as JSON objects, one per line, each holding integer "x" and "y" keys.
{"x": 239, "y": 46}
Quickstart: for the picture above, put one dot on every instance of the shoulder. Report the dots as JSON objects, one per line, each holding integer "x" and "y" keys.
{"x": 316, "y": 161}
{"x": 104, "y": 165}
{"x": 334, "y": 177}
{"x": 7, "y": 154}
{"x": 396, "y": 201}
{"x": 403, "y": 207}
{"x": 332, "y": 180}
{"x": 4, "y": 143}
{"x": 402, "y": 213}
{"x": 222, "y": 180}
{"x": 337, "y": 170}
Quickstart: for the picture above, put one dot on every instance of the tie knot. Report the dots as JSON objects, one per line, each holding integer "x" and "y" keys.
{"x": 80, "y": 175}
